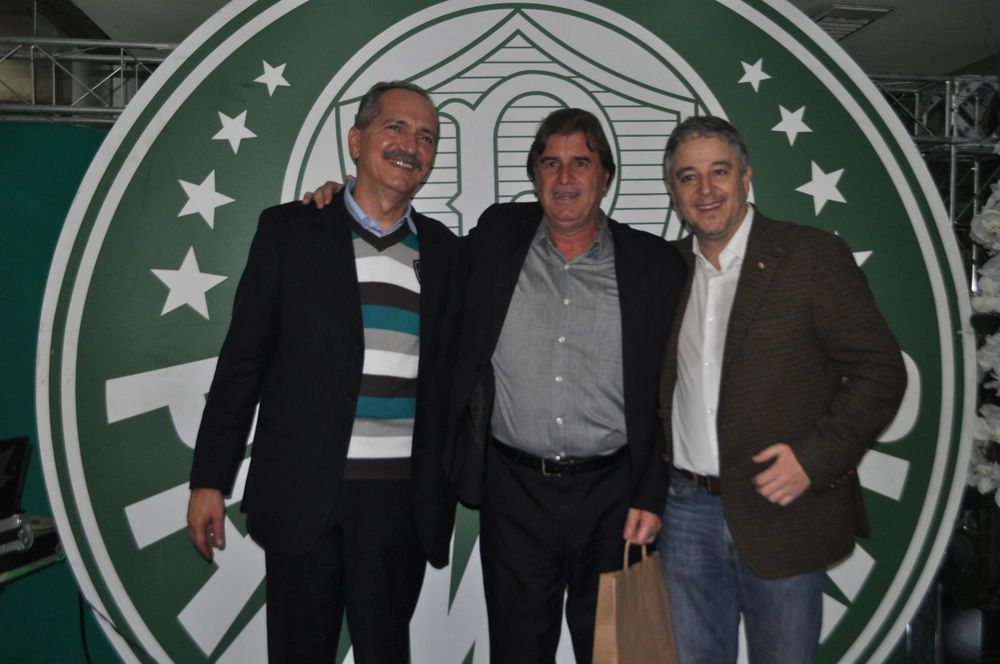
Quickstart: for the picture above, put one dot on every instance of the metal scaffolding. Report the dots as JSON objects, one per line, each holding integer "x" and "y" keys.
{"x": 77, "y": 81}
{"x": 953, "y": 121}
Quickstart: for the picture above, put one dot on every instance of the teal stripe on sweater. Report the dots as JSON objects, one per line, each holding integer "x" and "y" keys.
{"x": 390, "y": 318}
{"x": 378, "y": 408}
{"x": 412, "y": 242}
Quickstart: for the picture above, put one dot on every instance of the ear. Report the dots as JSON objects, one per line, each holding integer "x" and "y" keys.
{"x": 354, "y": 142}
{"x": 746, "y": 179}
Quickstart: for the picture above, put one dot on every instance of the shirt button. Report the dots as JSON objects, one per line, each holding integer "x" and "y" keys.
{"x": 708, "y": 364}
{"x": 709, "y": 411}
{"x": 559, "y": 420}
{"x": 558, "y": 379}
{"x": 566, "y": 267}
{"x": 562, "y": 340}
{"x": 566, "y": 301}
{"x": 711, "y": 321}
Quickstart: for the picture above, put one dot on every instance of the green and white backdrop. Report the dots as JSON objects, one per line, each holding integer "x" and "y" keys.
{"x": 254, "y": 108}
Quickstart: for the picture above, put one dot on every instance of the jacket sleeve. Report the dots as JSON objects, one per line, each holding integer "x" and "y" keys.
{"x": 863, "y": 350}
{"x": 242, "y": 363}
{"x": 651, "y": 478}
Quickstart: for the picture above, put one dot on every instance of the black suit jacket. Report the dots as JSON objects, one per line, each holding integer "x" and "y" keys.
{"x": 296, "y": 344}
{"x": 650, "y": 277}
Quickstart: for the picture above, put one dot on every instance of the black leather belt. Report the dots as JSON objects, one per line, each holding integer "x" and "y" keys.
{"x": 555, "y": 465}
{"x": 710, "y": 482}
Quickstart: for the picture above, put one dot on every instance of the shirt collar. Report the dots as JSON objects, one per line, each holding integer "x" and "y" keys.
{"x": 370, "y": 224}
{"x": 601, "y": 248}
{"x": 736, "y": 248}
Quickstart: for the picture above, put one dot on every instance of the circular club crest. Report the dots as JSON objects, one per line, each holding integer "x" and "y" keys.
{"x": 254, "y": 108}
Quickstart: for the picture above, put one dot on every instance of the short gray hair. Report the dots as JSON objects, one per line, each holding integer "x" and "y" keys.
{"x": 705, "y": 126}
{"x": 370, "y": 107}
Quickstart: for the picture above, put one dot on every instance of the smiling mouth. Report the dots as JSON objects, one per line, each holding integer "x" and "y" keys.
{"x": 401, "y": 159}
{"x": 709, "y": 207}
{"x": 564, "y": 195}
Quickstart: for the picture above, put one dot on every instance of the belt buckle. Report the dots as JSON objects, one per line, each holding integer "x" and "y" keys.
{"x": 545, "y": 471}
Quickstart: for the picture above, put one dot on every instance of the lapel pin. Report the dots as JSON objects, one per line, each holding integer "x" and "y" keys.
{"x": 760, "y": 265}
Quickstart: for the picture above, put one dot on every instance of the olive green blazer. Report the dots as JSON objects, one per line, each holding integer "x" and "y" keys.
{"x": 809, "y": 361}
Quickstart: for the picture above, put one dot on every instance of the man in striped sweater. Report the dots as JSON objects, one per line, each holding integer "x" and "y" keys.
{"x": 338, "y": 331}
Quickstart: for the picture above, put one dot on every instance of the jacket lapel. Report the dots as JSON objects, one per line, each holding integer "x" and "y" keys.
{"x": 759, "y": 265}
{"x": 510, "y": 259}
{"x": 336, "y": 250}
{"x": 684, "y": 248}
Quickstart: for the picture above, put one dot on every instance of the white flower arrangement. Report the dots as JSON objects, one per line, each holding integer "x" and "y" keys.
{"x": 985, "y": 229}
{"x": 983, "y": 474}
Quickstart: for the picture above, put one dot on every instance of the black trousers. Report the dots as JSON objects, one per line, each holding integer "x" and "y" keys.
{"x": 542, "y": 536}
{"x": 369, "y": 562}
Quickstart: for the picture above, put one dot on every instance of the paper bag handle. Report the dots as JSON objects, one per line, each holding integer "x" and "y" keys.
{"x": 625, "y": 558}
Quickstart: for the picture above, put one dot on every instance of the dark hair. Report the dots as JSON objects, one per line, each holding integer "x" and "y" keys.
{"x": 370, "y": 107}
{"x": 570, "y": 121}
{"x": 705, "y": 126}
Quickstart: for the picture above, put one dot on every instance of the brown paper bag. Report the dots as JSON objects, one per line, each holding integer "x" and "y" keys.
{"x": 633, "y": 618}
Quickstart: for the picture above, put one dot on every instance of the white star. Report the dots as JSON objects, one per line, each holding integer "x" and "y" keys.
{"x": 187, "y": 285}
{"x": 272, "y": 77}
{"x": 791, "y": 123}
{"x": 203, "y": 199}
{"x": 234, "y": 130}
{"x": 754, "y": 74}
{"x": 823, "y": 187}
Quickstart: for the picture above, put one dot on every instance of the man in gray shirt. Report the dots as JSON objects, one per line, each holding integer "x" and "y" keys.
{"x": 564, "y": 314}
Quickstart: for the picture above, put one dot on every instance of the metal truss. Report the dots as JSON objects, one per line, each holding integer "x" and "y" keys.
{"x": 953, "y": 121}
{"x": 77, "y": 81}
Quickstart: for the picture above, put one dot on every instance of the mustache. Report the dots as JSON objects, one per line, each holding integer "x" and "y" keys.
{"x": 399, "y": 155}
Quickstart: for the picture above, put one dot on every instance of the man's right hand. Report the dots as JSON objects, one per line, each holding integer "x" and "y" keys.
{"x": 206, "y": 513}
{"x": 322, "y": 196}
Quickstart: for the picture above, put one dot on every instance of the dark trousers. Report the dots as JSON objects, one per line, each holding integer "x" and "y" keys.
{"x": 542, "y": 536}
{"x": 369, "y": 561}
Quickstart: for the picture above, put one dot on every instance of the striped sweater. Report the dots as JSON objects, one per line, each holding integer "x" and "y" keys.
{"x": 389, "y": 283}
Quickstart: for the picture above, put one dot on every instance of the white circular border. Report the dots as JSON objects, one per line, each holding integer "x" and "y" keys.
{"x": 88, "y": 261}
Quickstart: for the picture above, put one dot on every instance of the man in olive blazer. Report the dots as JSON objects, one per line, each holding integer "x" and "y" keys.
{"x": 768, "y": 417}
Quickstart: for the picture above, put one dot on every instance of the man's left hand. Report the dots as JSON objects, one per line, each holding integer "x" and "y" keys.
{"x": 641, "y": 526}
{"x": 784, "y": 480}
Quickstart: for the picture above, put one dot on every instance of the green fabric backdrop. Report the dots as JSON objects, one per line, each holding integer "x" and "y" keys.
{"x": 41, "y": 167}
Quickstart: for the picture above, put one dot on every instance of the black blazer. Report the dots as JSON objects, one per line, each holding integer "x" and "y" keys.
{"x": 650, "y": 277}
{"x": 296, "y": 345}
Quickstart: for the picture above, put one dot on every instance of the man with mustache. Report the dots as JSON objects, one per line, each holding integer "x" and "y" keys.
{"x": 777, "y": 378}
{"x": 337, "y": 330}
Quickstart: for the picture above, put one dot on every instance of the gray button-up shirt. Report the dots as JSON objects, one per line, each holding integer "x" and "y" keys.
{"x": 558, "y": 363}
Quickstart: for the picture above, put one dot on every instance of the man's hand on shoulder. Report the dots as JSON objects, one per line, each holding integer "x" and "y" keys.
{"x": 322, "y": 196}
{"x": 206, "y": 513}
{"x": 641, "y": 526}
{"x": 784, "y": 480}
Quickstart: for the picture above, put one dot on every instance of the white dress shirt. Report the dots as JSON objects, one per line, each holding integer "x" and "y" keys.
{"x": 700, "y": 350}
